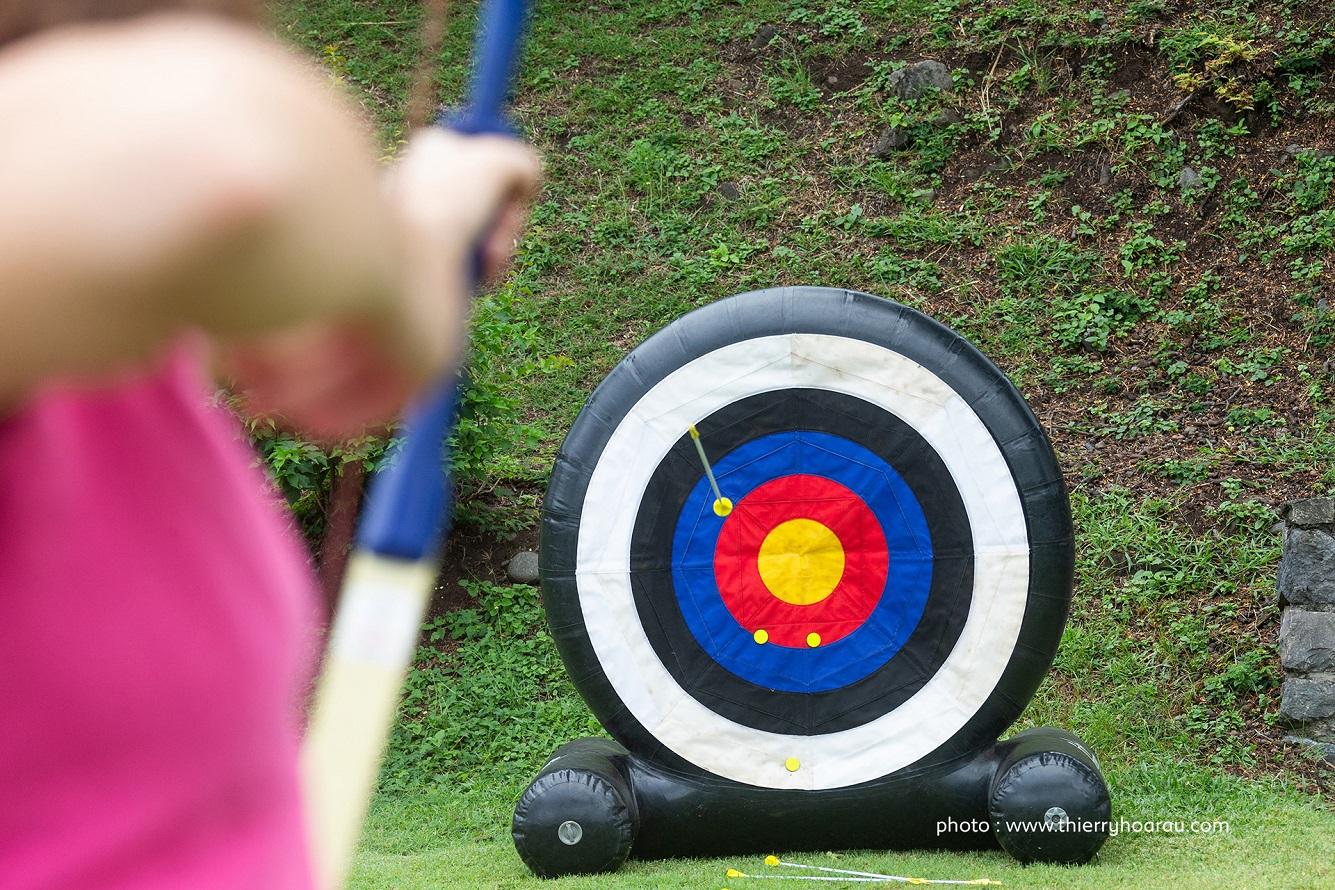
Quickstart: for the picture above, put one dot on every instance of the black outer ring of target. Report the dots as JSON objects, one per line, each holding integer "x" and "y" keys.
{"x": 922, "y": 654}
{"x": 841, "y": 313}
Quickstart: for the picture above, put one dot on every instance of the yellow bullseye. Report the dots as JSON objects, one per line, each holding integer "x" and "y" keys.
{"x": 801, "y": 561}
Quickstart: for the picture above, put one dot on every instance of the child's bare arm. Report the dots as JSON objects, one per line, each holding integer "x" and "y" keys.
{"x": 177, "y": 172}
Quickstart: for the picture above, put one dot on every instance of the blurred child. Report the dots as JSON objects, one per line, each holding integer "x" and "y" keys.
{"x": 173, "y": 184}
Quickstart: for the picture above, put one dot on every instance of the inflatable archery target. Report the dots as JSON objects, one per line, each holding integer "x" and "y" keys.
{"x": 805, "y": 539}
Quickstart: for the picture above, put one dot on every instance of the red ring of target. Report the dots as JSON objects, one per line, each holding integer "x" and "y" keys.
{"x": 737, "y": 571}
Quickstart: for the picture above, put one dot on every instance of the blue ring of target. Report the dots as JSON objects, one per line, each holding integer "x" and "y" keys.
{"x": 901, "y": 603}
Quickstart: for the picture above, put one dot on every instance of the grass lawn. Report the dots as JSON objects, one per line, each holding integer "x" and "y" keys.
{"x": 1275, "y": 838}
{"x": 1129, "y": 207}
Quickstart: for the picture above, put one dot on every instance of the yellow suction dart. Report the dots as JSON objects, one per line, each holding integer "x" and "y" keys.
{"x": 848, "y": 876}
{"x": 722, "y": 506}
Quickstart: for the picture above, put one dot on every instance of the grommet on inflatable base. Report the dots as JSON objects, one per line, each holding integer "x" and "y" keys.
{"x": 807, "y": 553}
{"x": 579, "y": 816}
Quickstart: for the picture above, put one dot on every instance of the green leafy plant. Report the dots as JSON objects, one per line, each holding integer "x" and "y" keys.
{"x": 1214, "y": 54}
{"x": 1091, "y": 317}
{"x": 501, "y": 699}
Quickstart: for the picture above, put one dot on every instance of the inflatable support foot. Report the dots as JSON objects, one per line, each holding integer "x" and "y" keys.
{"x": 1039, "y": 795}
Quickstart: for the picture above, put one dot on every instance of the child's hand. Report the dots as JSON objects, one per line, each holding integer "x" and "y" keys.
{"x": 335, "y": 379}
{"x": 332, "y": 382}
{"x": 454, "y": 190}
{"x": 454, "y": 194}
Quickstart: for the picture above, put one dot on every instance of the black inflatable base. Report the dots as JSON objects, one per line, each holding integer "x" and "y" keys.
{"x": 1038, "y": 795}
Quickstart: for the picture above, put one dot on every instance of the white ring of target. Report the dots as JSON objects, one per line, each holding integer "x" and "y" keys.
{"x": 1001, "y": 568}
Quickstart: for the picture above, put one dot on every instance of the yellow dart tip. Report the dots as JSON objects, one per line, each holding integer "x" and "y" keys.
{"x": 722, "y": 507}
{"x": 734, "y": 873}
{"x": 772, "y": 861}
{"x": 695, "y": 434}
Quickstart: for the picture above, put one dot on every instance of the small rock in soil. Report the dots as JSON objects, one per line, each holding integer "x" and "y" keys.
{"x": 523, "y": 567}
{"x": 1189, "y": 179}
{"x": 1105, "y": 174}
{"x": 729, "y": 190}
{"x": 918, "y": 79}
{"x": 947, "y": 116}
{"x": 1325, "y": 749}
{"x": 1293, "y": 150}
{"x": 764, "y": 34}
{"x": 892, "y": 139}
{"x": 975, "y": 174}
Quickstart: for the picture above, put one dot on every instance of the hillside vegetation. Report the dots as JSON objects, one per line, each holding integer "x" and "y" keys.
{"x": 1129, "y": 207}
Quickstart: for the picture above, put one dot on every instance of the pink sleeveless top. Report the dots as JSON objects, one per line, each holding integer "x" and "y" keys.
{"x": 154, "y": 609}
